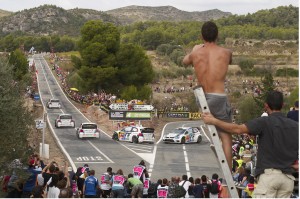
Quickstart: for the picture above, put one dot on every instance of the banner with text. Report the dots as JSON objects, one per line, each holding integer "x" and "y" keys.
{"x": 130, "y": 115}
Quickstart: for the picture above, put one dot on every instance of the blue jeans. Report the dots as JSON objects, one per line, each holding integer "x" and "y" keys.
{"x": 119, "y": 193}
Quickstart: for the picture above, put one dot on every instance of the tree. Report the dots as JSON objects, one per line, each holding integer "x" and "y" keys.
{"x": 134, "y": 67}
{"x": 267, "y": 86}
{"x": 248, "y": 109}
{"x": 16, "y": 121}
{"x": 20, "y": 64}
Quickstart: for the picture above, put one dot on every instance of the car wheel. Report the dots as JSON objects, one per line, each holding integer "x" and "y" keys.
{"x": 199, "y": 140}
{"x": 135, "y": 139}
{"x": 183, "y": 140}
{"x": 115, "y": 137}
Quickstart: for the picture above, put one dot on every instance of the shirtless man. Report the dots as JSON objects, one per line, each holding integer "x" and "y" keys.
{"x": 211, "y": 64}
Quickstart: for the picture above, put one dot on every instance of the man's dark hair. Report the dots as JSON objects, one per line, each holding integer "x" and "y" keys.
{"x": 109, "y": 169}
{"x": 92, "y": 172}
{"x": 215, "y": 176}
{"x": 197, "y": 181}
{"x": 204, "y": 178}
{"x": 184, "y": 177}
{"x": 130, "y": 175}
{"x": 209, "y": 31}
{"x": 52, "y": 168}
{"x": 275, "y": 100}
{"x": 297, "y": 104}
{"x": 159, "y": 181}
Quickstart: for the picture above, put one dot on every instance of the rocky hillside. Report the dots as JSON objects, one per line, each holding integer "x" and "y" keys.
{"x": 4, "y": 13}
{"x": 131, "y": 14}
{"x": 50, "y": 19}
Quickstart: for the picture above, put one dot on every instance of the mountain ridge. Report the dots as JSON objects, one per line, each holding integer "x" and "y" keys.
{"x": 50, "y": 19}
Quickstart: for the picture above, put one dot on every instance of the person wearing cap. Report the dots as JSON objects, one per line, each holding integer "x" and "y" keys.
{"x": 294, "y": 113}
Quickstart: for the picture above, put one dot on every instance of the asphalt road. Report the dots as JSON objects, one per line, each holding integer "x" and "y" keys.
{"x": 163, "y": 160}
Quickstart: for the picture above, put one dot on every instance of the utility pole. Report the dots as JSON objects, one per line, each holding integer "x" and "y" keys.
{"x": 43, "y": 139}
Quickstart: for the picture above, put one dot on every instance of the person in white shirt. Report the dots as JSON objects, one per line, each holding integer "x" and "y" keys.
{"x": 53, "y": 191}
{"x": 185, "y": 183}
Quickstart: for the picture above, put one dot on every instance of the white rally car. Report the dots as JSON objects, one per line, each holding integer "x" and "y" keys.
{"x": 88, "y": 130}
{"x": 136, "y": 134}
{"x": 184, "y": 135}
{"x": 64, "y": 120}
{"x": 53, "y": 103}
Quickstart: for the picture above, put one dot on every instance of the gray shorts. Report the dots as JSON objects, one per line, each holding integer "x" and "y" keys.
{"x": 219, "y": 106}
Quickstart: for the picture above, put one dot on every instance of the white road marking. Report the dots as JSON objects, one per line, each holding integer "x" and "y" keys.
{"x": 187, "y": 165}
{"x": 92, "y": 162}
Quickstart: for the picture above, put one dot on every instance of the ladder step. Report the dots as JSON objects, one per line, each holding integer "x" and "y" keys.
{"x": 216, "y": 144}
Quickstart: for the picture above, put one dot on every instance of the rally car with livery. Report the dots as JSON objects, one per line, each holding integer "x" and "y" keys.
{"x": 135, "y": 134}
{"x": 88, "y": 130}
{"x": 64, "y": 120}
{"x": 184, "y": 135}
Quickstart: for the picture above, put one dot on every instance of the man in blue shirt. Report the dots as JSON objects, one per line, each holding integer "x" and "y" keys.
{"x": 30, "y": 182}
{"x": 91, "y": 185}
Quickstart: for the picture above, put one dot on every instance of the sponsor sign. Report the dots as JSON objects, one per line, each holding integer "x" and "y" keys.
{"x": 178, "y": 115}
{"x": 143, "y": 107}
{"x": 36, "y": 97}
{"x": 39, "y": 124}
{"x": 138, "y": 115}
{"x": 119, "y": 106}
{"x": 129, "y": 115}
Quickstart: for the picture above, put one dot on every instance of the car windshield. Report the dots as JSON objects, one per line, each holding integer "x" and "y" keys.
{"x": 65, "y": 117}
{"x": 54, "y": 100}
{"x": 89, "y": 126}
{"x": 178, "y": 131}
{"x": 147, "y": 130}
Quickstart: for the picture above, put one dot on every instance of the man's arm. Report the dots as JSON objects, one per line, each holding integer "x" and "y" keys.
{"x": 187, "y": 60}
{"x": 228, "y": 127}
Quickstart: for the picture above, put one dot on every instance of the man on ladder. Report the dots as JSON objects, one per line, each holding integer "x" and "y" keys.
{"x": 211, "y": 64}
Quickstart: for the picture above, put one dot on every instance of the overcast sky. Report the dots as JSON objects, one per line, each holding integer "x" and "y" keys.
{"x": 233, "y": 6}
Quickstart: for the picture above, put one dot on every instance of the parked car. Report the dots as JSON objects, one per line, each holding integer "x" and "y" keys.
{"x": 64, "y": 120}
{"x": 136, "y": 134}
{"x": 88, "y": 130}
{"x": 53, "y": 103}
{"x": 184, "y": 135}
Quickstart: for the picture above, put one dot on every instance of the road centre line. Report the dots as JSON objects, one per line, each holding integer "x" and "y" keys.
{"x": 187, "y": 165}
{"x": 140, "y": 149}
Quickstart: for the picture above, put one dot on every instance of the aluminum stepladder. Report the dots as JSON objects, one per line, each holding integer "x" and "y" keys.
{"x": 218, "y": 150}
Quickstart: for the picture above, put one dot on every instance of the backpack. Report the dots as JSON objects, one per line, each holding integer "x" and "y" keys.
{"x": 214, "y": 187}
{"x": 180, "y": 191}
{"x": 152, "y": 189}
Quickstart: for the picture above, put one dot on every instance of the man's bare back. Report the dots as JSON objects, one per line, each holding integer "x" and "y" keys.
{"x": 211, "y": 64}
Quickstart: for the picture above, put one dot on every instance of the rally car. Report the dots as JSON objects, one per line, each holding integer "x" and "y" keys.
{"x": 184, "y": 135}
{"x": 88, "y": 130}
{"x": 53, "y": 103}
{"x": 136, "y": 134}
{"x": 64, "y": 120}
